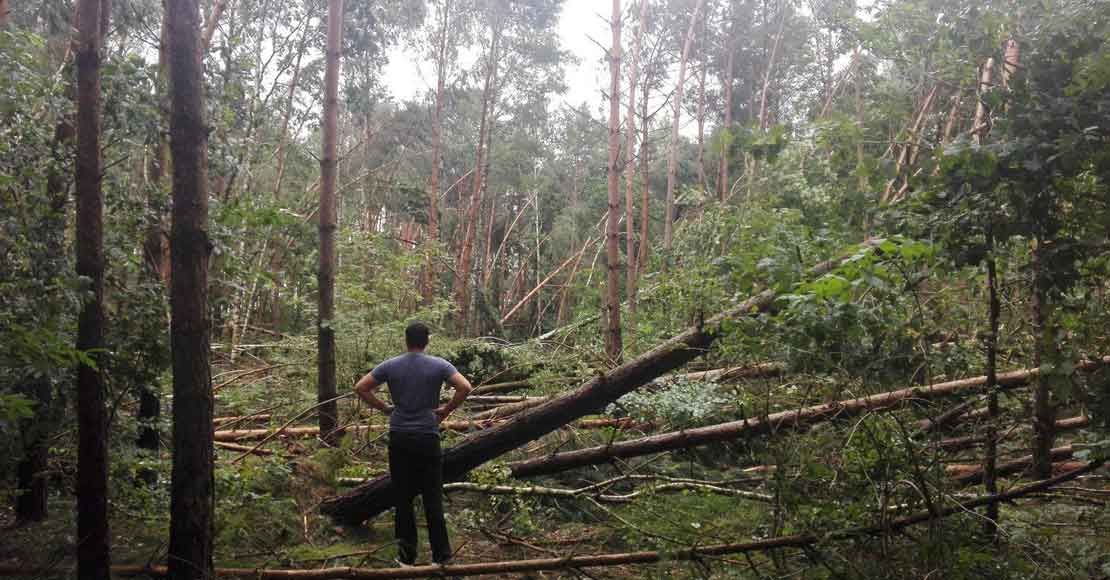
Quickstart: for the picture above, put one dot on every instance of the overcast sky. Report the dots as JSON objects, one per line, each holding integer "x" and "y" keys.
{"x": 408, "y": 76}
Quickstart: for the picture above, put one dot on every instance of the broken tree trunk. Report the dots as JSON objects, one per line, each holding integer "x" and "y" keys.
{"x": 376, "y": 496}
{"x": 758, "y": 425}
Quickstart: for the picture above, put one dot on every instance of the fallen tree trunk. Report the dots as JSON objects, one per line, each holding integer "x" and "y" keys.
{"x": 759, "y": 425}
{"x": 241, "y": 448}
{"x": 218, "y": 421}
{"x": 973, "y": 474}
{"x": 573, "y": 562}
{"x": 462, "y": 426}
{"x": 377, "y": 496}
{"x": 958, "y": 443}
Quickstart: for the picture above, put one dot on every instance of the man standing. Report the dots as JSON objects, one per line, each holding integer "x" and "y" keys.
{"x": 415, "y": 458}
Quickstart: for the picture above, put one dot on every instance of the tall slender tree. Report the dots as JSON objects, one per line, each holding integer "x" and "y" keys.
{"x": 428, "y": 285}
{"x": 93, "y": 559}
{"x": 328, "y": 412}
{"x": 613, "y": 346}
{"x": 672, "y": 151}
{"x": 466, "y": 247}
{"x": 192, "y": 490}
{"x": 727, "y": 82}
{"x": 629, "y": 166}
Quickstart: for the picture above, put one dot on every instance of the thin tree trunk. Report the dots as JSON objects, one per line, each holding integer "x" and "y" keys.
{"x": 770, "y": 68}
{"x": 629, "y": 166}
{"x": 613, "y": 343}
{"x": 466, "y": 248}
{"x": 93, "y": 560}
{"x": 703, "y": 55}
{"x": 328, "y": 412}
{"x": 672, "y": 153}
{"x": 283, "y": 143}
{"x": 192, "y": 500}
{"x": 645, "y": 192}
{"x": 210, "y": 24}
{"x": 427, "y": 289}
{"x": 722, "y": 163}
{"x": 991, "y": 455}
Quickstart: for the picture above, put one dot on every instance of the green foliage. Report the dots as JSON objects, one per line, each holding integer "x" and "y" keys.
{"x": 679, "y": 403}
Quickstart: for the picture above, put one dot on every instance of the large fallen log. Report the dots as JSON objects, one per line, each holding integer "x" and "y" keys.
{"x": 377, "y": 496}
{"x": 761, "y": 425}
{"x": 572, "y": 562}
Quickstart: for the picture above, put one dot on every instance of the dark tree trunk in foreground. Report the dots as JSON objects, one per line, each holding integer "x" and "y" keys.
{"x": 613, "y": 346}
{"x": 325, "y": 376}
{"x": 93, "y": 559}
{"x": 192, "y": 501}
{"x": 376, "y": 496}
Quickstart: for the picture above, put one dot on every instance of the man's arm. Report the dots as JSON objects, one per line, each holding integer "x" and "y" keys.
{"x": 365, "y": 388}
{"x": 462, "y": 389}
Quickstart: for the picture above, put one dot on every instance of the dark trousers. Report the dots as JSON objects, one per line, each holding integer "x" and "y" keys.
{"x": 416, "y": 467}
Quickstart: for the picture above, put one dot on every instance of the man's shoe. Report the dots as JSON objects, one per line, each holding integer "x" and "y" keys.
{"x": 402, "y": 564}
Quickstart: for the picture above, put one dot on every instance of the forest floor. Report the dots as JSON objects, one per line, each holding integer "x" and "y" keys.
{"x": 831, "y": 476}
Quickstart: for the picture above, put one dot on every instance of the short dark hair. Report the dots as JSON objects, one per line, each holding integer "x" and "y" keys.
{"x": 416, "y": 335}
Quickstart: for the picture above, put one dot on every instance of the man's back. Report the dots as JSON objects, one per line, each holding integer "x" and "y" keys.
{"x": 414, "y": 381}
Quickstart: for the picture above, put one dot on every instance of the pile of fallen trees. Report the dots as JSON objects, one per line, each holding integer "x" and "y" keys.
{"x": 593, "y": 396}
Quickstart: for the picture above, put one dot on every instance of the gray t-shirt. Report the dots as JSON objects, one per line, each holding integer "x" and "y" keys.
{"x": 414, "y": 380}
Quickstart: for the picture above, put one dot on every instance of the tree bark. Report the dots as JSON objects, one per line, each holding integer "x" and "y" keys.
{"x": 93, "y": 560}
{"x": 723, "y": 187}
{"x": 466, "y": 248}
{"x": 990, "y": 457}
{"x": 703, "y": 57}
{"x": 376, "y": 496}
{"x": 613, "y": 342}
{"x": 283, "y": 143}
{"x": 672, "y": 153}
{"x": 428, "y": 287}
{"x": 645, "y": 176}
{"x": 192, "y": 500}
{"x": 759, "y": 425}
{"x": 328, "y": 411}
{"x": 770, "y": 67}
{"x": 629, "y": 166}
{"x": 210, "y": 25}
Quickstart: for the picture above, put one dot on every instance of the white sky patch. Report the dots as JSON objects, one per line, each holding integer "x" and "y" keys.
{"x": 409, "y": 75}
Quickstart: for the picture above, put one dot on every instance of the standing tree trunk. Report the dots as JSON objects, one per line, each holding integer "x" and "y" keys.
{"x": 283, "y": 139}
{"x": 722, "y": 163}
{"x": 990, "y": 456}
{"x": 645, "y": 192}
{"x": 629, "y": 166}
{"x": 703, "y": 57}
{"x": 427, "y": 288}
{"x": 770, "y": 67}
{"x": 672, "y": 154}
{"x": 192, "y": 499}
{"x": 613, "y": 346}
{"x": 93, "y": 560}
{"x": 328, "y": 413}
{"x": 466, "y": 248}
